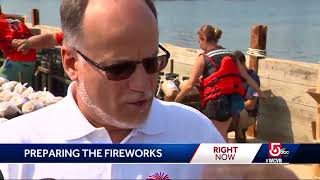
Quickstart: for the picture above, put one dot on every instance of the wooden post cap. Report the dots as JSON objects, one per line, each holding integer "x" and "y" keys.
{"x": 258, "y": 40}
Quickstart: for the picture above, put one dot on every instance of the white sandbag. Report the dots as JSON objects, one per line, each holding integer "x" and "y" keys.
{"x": 19, "y": 88}
{"x": 31, "y": 106}
{"x": 9, "y": 85}
{"x": 6, "y": 95}
{"x": 3, "y": 80}
{"x": 27, "y": 92}
{"x": 2, "y": 120}
{"x": 53, "y": 100}
{"x": 9, "y": 110}
{"x": 169, "y": 89}
{"x": 18, "y": 100}
{"x": 43, "y": 96}
{"x": 47, "y": 95}
{"x": 34, "y": 95}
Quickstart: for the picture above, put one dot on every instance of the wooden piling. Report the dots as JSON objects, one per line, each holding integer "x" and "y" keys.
{"x": 314, "y": 130}
{"x": 171, "y": 65}
{"x": 21, "y": 77}
{"x": 35, "y": 17}
{"x": 258, "y": 40}
{"x": 0, "y": 9}
{"x": 50, "y": 64}
{"x": 318, "y": 123}
{"x": 37, "y": 80}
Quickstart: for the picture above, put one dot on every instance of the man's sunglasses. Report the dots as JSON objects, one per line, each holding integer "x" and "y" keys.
{"x": 122, "y": 71}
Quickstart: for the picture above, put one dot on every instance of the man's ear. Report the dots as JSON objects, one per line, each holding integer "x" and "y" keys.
{"x": 70, "y": 63}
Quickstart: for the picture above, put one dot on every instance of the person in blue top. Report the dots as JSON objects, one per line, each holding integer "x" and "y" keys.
{"x": 249, "y": 115}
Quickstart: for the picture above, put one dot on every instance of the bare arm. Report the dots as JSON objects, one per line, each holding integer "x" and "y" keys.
{"x": 35, "y": 42}
{"x": 249, "y": 80}
{"x": 194, "y": 77}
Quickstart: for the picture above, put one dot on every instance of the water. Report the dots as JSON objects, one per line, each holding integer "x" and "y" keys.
{"x": 293, "y": 25}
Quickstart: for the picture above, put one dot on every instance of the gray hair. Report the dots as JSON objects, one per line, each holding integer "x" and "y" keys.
{"x": 72, "y": 15}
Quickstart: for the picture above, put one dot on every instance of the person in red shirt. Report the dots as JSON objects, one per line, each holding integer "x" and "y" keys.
{"x": 16, "y": 61}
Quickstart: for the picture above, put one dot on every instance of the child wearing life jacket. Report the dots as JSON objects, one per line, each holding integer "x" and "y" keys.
{"x": 16, "y": 61}
{"x": 251, "y": 104}
{"x": 221, "y": 89}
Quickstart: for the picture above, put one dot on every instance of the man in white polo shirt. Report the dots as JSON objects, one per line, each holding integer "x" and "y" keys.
{"x": 110, "y": 53}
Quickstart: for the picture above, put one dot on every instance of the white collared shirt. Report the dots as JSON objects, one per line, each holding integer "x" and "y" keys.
{"x": 63, "y": 122}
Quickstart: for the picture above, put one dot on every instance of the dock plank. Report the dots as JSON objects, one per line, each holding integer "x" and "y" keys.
{"x": 289, "y": 91}
{"x": 289, "y": 71}
{"x": 285, "y": 122}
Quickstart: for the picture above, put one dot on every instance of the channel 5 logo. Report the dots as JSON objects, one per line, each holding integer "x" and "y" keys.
{"x": 276, "y": 150}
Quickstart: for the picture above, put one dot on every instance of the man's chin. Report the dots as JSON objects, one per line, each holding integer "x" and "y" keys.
{"x": 136, "y": 119}
{"x": 130, "y": 116}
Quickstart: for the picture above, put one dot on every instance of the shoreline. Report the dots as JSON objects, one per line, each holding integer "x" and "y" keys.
{"x": 177, "y": 52}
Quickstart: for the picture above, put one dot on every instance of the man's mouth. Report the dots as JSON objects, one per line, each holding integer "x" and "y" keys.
{"x": 140, "y": 105}
{"x": 139, "y": 102}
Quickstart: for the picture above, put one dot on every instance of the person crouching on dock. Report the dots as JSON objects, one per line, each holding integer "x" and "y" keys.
{"x": 221, "y": 89}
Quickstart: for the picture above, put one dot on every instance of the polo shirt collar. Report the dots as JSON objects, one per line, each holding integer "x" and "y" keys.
{"x": 156, "y": 122}
{"x": 76, "y": 125}
{"x": 74, "y": 122}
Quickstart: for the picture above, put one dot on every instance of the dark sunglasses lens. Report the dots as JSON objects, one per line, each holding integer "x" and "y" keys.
{"x": 121, "y": 71}
{"x": 162, "y": 61}
{"x": 151, "y": 65}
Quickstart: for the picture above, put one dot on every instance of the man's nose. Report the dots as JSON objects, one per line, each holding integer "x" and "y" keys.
{"x": 140, "y": 79}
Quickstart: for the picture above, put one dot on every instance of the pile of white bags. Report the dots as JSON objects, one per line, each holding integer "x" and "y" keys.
{"x": 17, "y": 99}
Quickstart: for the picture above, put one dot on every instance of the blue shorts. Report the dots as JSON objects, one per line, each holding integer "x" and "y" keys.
{"x": 237, "y": 104}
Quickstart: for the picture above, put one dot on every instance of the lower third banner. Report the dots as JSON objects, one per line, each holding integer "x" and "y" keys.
{"x": 161, "y": 153}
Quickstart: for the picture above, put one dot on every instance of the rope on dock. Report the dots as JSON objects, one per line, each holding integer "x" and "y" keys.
{"x": 257, "y": 52}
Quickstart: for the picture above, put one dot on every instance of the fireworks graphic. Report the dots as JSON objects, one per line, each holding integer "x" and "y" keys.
{"x": 158, "y": 176}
